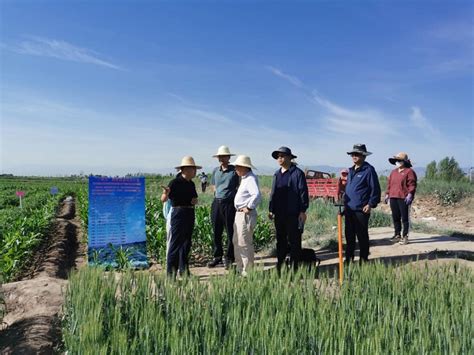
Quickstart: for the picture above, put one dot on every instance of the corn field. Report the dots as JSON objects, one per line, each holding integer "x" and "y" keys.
{"x": 23, "y": 229}
{"x": 378, "y": 310}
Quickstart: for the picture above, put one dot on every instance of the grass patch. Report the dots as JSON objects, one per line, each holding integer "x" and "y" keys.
{"x": 377, "y": 310}
{"x": 447, "y": 192}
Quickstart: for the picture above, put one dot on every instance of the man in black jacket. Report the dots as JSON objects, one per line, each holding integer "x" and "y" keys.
{"x": 288, "y": 204}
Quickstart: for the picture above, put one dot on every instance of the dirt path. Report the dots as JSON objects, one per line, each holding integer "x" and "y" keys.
{"x": 423, "y": 246}
{"x": 31, "y": 324}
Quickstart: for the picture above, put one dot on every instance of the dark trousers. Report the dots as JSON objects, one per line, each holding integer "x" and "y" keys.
{"x": 400, "y": 213}
{"x": 288, "y": 238}
{"x": 357, "y": 224}
{"x": 182, "y": 225}
{"x": 203, "y": 186}
{"x": 223, "y": 216}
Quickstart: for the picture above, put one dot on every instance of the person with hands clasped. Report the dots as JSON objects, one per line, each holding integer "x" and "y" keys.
{"x": 246, "y": 201}
{"x": 289, "y": 201}
{"x": 225, "y": 183}
{"x": 181, "y": 191}
{"x": 362, "y": 194}
{"x": 401, "y": 188}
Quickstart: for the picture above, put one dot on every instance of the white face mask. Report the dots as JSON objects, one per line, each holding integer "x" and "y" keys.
{"x": 398, "y": 164}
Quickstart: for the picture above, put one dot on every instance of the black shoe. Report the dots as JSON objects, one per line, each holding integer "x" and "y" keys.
{"x": 214, "y": 262}
{"x": 227, "y": 263}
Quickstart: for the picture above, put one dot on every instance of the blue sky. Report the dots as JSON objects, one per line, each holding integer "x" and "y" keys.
{"x": 112, "y": 87}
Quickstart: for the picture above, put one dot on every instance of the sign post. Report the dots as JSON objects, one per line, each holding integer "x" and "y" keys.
{"x": 117, "y": 235}
{"x": 54, "y": 190}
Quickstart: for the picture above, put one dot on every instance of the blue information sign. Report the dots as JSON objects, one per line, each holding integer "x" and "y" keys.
{"x": 54, "y": 190}
{"x": 117, "y": 221}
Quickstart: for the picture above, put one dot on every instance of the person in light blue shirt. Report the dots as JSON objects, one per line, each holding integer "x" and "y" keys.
{"x": 225, "y": 182}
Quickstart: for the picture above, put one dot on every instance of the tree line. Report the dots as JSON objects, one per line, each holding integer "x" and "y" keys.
{"x": 447, "y": 170}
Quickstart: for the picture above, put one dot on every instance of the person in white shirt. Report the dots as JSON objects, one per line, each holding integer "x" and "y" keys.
{"x": 246, "y": 201}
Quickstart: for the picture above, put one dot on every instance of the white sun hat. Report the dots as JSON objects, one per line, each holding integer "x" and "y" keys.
{"x": 188, "y": 161}
{"x": 223, "y": 150}
{"x": 243, "y": 160}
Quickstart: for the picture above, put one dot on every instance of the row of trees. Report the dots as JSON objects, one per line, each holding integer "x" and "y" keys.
{"x": 447, "y": 170}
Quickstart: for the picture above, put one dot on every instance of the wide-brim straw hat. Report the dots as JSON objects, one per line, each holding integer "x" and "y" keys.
{"x": 283, "y": 150}
{"x": 188, "y": 161}
{"x": 401, "y": 157}
{"x": 243, "y": 160}
{"x": 359, "y": 148}
{"x": 223, "y": 150}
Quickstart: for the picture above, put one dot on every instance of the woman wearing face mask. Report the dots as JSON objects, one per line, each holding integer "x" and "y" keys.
{"x": 401, "y": 188}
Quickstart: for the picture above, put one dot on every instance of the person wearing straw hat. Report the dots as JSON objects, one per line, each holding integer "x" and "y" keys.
{"x": 182, "y": 193}
{"x": 401, "y": 188}
{"x": 245, "y": 202}
{"x": 362, "y": 194}
{"x": 289, "y": 201}
{"x": 225, "y": 182}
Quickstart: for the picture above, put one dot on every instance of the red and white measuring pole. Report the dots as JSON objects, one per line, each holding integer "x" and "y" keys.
{"x": 20, "y": 194}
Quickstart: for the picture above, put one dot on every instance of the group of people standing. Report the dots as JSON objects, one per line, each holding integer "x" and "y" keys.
{"x": 362, "y": 194}
{"x": 237, "y": 196}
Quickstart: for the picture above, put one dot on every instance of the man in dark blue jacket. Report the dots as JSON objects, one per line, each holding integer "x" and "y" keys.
{"x": 362, "y": 194}
{"x": 288, "y": 204}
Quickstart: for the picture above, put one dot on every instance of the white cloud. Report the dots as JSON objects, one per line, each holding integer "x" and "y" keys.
{"x": 177, "y": 97}
{"x": 291, "y": 79}
{"x": 342, "y": 120}
{"x": 418, "y": 120}
{"x": 338, "y": 127}
{"x": 45, "y": 47}
{"x": 41, "y": 135}
{"x": 207, "y": 116}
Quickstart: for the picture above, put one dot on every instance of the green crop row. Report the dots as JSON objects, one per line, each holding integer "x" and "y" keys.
{"x": 23, "y": 229}
{"x": 378, "y": 310}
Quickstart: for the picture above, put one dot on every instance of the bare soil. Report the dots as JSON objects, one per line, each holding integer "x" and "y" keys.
{"x": 34, "y": 302}
{"x": 429, "y": 210}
